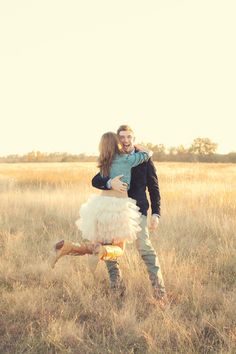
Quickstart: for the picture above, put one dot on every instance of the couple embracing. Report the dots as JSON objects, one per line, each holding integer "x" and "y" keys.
{"x": 119, "y": 214}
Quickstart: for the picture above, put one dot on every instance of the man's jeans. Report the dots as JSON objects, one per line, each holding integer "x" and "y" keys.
{"x": 149, "y": 257}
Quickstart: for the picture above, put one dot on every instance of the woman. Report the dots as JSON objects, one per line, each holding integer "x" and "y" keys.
{"x": 112, "y": 218}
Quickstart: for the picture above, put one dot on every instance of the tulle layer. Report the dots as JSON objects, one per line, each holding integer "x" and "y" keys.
{"x": 107, "y": 219}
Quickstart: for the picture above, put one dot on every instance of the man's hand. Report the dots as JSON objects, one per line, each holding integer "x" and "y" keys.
{"x": 118, "y": 185}
{"x": 154, "y": 222}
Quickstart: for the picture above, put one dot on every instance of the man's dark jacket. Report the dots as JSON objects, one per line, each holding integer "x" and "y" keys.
{"x": 143, "y": 176}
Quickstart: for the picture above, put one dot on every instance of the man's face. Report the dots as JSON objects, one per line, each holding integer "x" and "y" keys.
{"x": 127, "y": 140}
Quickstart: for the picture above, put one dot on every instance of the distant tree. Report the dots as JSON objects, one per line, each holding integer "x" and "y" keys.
{"x": 203, "y": 147}
{"x": 160, "y": 149}
{"x": 159, "y": 152}
{"x": 181, "y": 149}
{"x": 31, "y": 156}
{"x": 173, "y": 150}
{"x": 231, "y": 157}
{"x": 39, "y": 156}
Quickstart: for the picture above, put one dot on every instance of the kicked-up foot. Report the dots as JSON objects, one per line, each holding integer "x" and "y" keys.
{"x": 61, "y": 248}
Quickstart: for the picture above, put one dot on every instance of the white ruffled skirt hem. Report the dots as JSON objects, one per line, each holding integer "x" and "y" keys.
{"x": 107, "y": 219}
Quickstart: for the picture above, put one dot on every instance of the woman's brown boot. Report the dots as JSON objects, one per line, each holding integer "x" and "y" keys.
{"x": 64, "y": 248}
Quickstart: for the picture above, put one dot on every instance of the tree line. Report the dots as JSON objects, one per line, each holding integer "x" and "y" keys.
{"x": 201, "y": 150}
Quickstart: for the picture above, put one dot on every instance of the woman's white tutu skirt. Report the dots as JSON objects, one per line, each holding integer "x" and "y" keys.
{"x": 107, "y": 219}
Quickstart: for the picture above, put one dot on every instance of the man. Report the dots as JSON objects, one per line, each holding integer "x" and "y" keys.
{"x": 142, "y": 177}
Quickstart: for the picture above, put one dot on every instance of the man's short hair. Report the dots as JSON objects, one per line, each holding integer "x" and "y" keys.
{"x": 124, "y": 128}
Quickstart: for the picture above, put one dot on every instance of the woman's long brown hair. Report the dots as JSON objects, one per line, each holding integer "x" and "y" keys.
{"x": 108, "y": 147}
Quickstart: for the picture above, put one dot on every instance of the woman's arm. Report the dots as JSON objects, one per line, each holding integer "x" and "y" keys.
{"x": 139, "y": 157}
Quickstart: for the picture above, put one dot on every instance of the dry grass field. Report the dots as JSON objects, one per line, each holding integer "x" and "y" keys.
{"x": 71, "y": 310}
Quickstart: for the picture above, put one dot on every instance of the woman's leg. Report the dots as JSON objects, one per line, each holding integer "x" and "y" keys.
{"x": 103, "y": 252}
{"x": 64, "y": 248}
{"x": 113, "y": 251}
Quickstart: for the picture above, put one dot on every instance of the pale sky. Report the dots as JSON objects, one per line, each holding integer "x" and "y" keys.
{"x": 72, "y": 70}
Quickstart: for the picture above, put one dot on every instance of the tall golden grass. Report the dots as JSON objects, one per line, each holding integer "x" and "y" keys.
{"x": 71, "y": 310}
